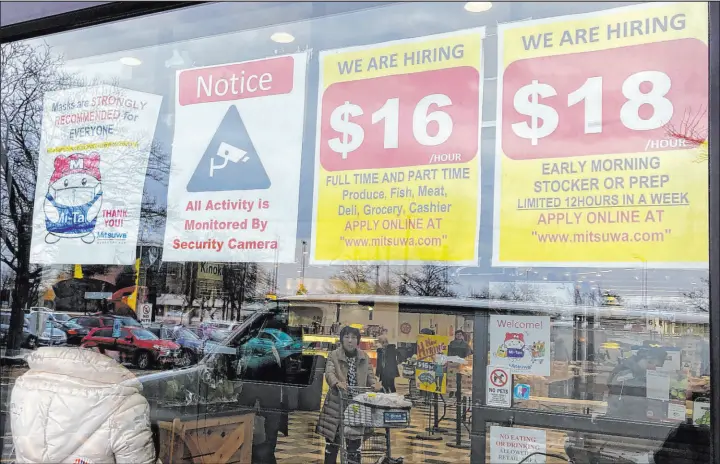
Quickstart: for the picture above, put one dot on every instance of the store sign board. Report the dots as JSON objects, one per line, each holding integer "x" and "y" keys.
{"x": 521, "y": 343}
{"x": 236, "y": 161}
{"x": 509, "y": 444}
{"x": 701, "y": 412}
{"x": 210, "y": 271}
{"x": 499, "y": 387}
{"x": 430, "y": 374}
{"x": 602, "y": 165}
{"x": 145, "y": 312}
{"x": 98, "y": 295}
{"x": 397, "y": 165}
{"x": 94, "y": 147}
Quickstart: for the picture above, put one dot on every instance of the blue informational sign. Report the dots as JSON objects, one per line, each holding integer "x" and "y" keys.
{"x": 521, "y": 391}
{"x": 230, "y": 161}
{"x": 116, "y": 328}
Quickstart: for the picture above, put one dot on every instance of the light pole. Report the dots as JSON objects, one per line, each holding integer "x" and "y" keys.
{"x": 643, "y": 284}
{"x": 302, "y": 266}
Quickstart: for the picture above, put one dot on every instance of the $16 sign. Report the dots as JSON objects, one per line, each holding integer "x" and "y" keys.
{"x": 577, "y": 104}
{"x": 401, "y": 120}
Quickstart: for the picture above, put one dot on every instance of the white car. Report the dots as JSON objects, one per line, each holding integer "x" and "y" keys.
{"x": 52, "y": 335}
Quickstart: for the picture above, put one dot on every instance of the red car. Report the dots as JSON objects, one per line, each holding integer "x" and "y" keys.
{"x": 136, "y": 344}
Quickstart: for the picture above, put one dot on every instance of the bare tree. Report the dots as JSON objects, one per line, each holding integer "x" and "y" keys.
{"x": 483, "y": 294}
{"x": 27, "y": 73}
{"x": 240, "y": 285}
{"x": 428, "y": 280}
{"x": 353, "y": 279}
{"x": 699, "y": 298}
{"x": 692, "y": 131}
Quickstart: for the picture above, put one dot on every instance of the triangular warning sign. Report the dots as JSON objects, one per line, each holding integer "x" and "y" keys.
{"x": 230, "y": 161}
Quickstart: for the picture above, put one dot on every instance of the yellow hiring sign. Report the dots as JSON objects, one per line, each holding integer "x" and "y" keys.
{"x": 601, "y": 165}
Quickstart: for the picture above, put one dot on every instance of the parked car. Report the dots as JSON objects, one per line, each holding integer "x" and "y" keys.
{"x": 135, "y": 344}
{"x": 52, "y": 315}
{"x": 52, "y": 335}
{"x": 74, "y": 332}
{"x": 192, "y": 348}
{"x": 219, "y": 335}
{"x": 269, "y": 346}
{"x": 29, "y": 340}
{"x": 91, "y": 322}
{"x": 208, "y": 327}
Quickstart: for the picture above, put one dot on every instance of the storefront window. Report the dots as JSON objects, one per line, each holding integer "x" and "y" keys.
{"x": 496, "y": 214}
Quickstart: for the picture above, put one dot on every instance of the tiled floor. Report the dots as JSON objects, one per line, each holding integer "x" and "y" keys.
{"x": 303, "y": 445}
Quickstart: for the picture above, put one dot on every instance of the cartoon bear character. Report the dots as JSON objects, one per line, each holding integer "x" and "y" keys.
{"x": 514, "y": 345}
{"x": 74, "y": 198}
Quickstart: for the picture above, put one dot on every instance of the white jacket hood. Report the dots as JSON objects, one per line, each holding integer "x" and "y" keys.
{"x": 75, "y": 403}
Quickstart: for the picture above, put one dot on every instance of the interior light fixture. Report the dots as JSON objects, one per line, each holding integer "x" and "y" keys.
{"x": 282, "y": 37}
{"x": 477, "y": 7}
{"x": 130, "y": 61}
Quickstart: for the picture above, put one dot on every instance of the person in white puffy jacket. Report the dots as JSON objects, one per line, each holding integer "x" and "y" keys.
{"x": 79, "y": 406}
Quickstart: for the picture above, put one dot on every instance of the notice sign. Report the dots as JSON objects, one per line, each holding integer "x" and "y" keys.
{"x": 145, "y": 312}
{"x": 521, "y": 343}
{"x": 509, "y": 444}
{"x": 236, "y": 162}
{"x": 601, "y": 165}
{"x": 94, "y": 147}
{"x": 397, "y": 165}
{"x": 499, "y": 386}
{"x": 430, "y": 375}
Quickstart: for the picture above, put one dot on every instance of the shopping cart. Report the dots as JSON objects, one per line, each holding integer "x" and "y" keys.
{"x": 359, "y": 442}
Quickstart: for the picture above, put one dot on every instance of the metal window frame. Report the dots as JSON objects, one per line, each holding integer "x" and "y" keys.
{"x": 77, "y": 19}
{"x": 714, "y": 222}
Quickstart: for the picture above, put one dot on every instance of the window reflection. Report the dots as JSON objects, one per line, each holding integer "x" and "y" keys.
{"x": 247, "y": 277}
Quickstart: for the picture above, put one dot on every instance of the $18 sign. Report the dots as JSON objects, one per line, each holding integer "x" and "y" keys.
{"x": 401, "y": 120}
{"x": 577, "y": 104}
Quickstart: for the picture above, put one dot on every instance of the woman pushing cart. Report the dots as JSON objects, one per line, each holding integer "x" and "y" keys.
{"x": 348, "y": 373}
{"x": 348, "y": 367}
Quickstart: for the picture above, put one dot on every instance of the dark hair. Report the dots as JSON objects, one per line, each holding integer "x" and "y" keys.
{"x": 459, "y": 331}
{"x": 347, "y": 330}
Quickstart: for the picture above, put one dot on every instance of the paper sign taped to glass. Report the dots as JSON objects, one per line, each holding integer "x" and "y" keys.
{"x": 94, "y": 147}
{"x": 236, "y": 161}
{"x": 603, "y": 166}
{"x": 431, "y": 364}
{"x": 521, "y": 343}
{"x": 397, "y": 165}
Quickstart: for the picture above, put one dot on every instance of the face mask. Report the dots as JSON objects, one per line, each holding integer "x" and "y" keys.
{"x": 73, "y": 196}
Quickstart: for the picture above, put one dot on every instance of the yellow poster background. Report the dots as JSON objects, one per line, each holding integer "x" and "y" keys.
{"x": 453, "y": 238}
{"x": 426, "y": 371}
{"x": 685, "y": 246}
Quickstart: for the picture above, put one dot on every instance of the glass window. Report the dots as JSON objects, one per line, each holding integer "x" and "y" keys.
{"x": 142, "y": 334}
{"x": 505, "y": 202}
{"x": 102, "y": 333}
{"x": 186, "y": 334}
